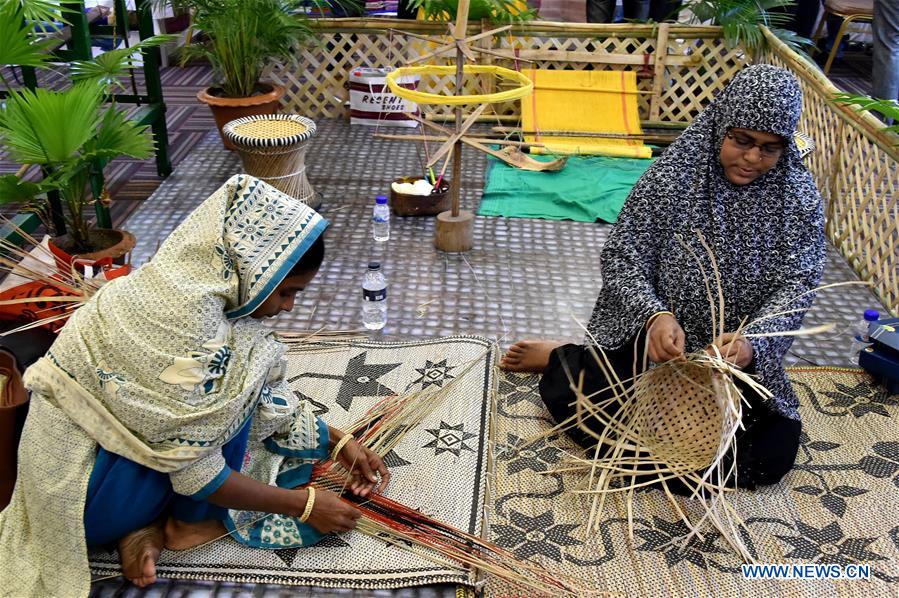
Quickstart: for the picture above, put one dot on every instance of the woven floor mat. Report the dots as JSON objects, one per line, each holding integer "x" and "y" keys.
{"x": 439, "y": 467}
{"x": 837, "y": 506}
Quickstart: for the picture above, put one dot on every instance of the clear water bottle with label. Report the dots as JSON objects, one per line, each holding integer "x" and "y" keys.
{"x": 374, "y": 298}
{"x": 380, "y": 220}
{"x": 860, "y": 334}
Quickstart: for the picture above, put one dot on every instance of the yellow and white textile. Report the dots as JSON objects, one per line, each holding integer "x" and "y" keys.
{"x": 583, "y": 101}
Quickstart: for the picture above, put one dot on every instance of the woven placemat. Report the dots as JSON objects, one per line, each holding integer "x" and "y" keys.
{"x": 837, "y": 506}
{"x": 439, "y": 467}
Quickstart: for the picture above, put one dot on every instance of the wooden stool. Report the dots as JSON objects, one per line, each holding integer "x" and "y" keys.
{"x": 272, "y": 147}
{"x": 850, "y": 11}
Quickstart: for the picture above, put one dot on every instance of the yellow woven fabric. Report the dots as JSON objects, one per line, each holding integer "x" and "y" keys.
{"x": 588, "y": 101}
{"x": 421, "y": 97}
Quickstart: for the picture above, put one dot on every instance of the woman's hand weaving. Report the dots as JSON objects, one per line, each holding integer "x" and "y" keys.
{"x": 665, "y": 338}
{"x": 734, "y": 348}
{"x": 330, "y": 513}
{"x": 364, "y": 466}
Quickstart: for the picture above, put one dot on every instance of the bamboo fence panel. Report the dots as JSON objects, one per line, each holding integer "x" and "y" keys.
{"x": 681, "y": 68}
{"x": 856, "y": 167}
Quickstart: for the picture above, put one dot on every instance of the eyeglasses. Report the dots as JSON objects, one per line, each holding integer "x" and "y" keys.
{"x": 767, "y": 150}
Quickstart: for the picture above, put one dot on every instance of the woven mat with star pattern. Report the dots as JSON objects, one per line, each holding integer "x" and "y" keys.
{"x": 837, "y": 506}
{"x": 439, "y": 467}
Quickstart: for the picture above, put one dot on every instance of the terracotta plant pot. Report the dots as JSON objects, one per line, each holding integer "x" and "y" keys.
{"x": 116, "y": 243}
{"x": 421, "y": 205}
{"x": 13, "y": 409}
{"x": 224, "y": 110}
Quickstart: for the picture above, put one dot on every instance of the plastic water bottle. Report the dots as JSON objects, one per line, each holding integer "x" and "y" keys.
{"x": 374, "y": 298}
{"x": 860, "y": 334}
{"x": 380, "y": 220}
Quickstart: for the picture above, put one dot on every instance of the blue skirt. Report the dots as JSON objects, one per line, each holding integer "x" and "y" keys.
{"x": 124, "y": 496}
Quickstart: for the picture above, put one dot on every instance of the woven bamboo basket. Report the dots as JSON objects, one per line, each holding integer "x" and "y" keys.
{"x": 680, "y": 68}
{"x": 680, "y": 413}
{"x": 272, "y": 148}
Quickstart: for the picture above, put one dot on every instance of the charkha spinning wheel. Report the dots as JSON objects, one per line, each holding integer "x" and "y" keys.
{"x": 454, "y": 227}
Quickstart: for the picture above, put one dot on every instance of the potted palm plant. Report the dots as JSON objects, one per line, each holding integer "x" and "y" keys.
{"x": 239, "y": 38}
{"x": 742, "y": 22}
{"x": 67, "y": 133}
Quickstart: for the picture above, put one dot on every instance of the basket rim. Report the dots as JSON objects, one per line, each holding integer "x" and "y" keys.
{"x": 247, "y": 141}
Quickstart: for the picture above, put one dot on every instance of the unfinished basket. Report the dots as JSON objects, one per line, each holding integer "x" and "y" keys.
{"x": 272, "y": 147}
{"x": 679, "y": 413}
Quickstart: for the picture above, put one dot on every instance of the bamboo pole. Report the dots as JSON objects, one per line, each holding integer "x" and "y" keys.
{"x": 600, "y": 30}
{"x": 459, "y": 34}
{"x": 486, "y": 139}
{"x": 602, "y": 57}
{"x": 661, "y": 51}
{"x": 450, "y": 118}
{"x": 660, "y": 138}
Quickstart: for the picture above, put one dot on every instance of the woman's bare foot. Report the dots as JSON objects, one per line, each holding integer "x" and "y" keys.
{"x": 528, "y": 356}
{"x": 139, "y": 552}
{"x": 181, "y": 535}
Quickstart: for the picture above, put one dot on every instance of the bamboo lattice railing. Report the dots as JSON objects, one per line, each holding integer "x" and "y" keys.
{"x": 856, "y": 166}
{"x": 680, "y": 69}
{"x": 684, "y": 66}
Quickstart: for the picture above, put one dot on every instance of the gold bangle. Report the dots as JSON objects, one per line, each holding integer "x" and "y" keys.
{"x": 340, "y": 444}
{"x": 310, "y": 502}
{"x": 653, "y": 317}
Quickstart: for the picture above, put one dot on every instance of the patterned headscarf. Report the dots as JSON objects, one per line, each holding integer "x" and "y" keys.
{"x": 767, "y": 236}
{"x": 165, "y": 352}
{"x": 161, "y": 368}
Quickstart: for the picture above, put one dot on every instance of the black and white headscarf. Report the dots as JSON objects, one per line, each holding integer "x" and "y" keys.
{"x": 767, "y": 236}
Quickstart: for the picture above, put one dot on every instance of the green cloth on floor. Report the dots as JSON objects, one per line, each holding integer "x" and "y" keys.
{"x": 586, "y": 189}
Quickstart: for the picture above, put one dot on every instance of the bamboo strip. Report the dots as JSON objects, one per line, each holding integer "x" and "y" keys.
{"x": 660, "y": 65}
{"x": 401, "y": 137}
{"x": 551, "y": 133}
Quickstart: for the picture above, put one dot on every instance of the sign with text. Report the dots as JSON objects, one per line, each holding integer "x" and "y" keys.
{"x": 372, "y": 103}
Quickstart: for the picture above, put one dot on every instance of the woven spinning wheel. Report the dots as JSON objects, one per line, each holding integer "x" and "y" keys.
{"x": 273, "y": 147}
{"x": 679, "y": 413}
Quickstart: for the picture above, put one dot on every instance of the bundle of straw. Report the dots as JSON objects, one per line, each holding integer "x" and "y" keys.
{"x": 73, "y": 289}
{"x": 673, "y": 424}
{"x": 381, "y": 429}
{"x": 272, "y": 147}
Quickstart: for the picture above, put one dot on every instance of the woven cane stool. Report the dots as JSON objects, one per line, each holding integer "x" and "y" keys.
{"x": 272, "y": 147}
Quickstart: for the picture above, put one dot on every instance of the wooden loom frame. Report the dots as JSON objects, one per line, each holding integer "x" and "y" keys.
{"x": 682, "y": 67}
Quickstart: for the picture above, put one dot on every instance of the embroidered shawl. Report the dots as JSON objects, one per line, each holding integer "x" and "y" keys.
{"x": 159, "y": 367}
{"x": 767, "y": 236}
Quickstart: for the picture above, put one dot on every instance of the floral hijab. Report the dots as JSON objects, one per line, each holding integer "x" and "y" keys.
{"x": 767, "y": 236}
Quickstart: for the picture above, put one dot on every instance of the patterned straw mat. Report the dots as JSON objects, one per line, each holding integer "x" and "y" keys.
{"x": 838, "y": 505}
{"x": 438, "y": 467}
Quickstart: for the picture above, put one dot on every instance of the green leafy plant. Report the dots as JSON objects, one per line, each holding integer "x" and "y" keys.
{"x": 889, "y": 109}
{"x": 240, "y": 37}
{"x": 498, "y": 11}
{"x": 19, "y": 42}
{"x": 68, "y": 133}
{"x": 742, "y": 21}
